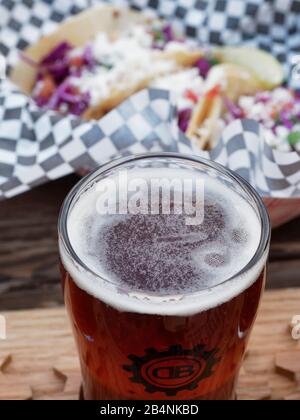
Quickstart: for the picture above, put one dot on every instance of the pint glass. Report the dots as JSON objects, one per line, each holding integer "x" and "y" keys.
{"x": 161, "y": 308}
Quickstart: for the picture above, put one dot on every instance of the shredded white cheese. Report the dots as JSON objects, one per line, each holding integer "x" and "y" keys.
{"x": 124, "y": 61}
{"x": 179, "y": 83}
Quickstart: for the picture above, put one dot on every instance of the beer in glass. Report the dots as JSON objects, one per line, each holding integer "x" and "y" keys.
{"x": 162, "y": 296}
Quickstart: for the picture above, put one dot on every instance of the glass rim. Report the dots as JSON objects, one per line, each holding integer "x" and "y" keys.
{"x": 119, "y": 162}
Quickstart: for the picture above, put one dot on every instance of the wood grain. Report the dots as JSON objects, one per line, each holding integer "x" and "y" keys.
{"x": 288, "y": 363}
{"x": 44, "y": 358}
{"x": 29, "y": 275}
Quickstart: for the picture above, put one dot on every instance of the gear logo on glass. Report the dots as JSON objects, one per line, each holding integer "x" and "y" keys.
{"x": 173, "y": 370}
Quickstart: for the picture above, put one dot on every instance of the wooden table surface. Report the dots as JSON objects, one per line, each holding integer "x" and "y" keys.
{"x": 29, "y": 276}
{"x": 44, "y": 336}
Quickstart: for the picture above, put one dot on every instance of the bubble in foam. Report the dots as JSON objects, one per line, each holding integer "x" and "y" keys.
{"x": 240, "y": 236}
{"x": 215, "y": 260}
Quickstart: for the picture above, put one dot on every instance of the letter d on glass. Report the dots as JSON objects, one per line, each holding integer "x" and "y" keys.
{"x": 2, "y": 328}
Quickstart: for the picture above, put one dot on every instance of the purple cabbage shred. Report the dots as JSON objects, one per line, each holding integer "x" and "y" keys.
{"x": 203, "y": 66}
{"x": 285, "y": 120}
{"x": 235, "y": 111}
{"x": 58, "y": 53}
{"x": 168, "y": 34}
{"x": 184, "y": 117}
{"x": 81, "y": 105}
{"x": 88, "y": 57}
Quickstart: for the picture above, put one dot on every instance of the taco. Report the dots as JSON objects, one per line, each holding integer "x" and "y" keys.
{"x": 97, "y": 59}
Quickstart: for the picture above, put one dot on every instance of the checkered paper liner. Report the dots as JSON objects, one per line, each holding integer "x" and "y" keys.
{"x": 270, "y": 24}
{"x": 37, "y": 146}
{"x": 40, "y": 146}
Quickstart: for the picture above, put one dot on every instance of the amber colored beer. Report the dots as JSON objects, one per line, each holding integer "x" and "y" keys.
{"x": 161, "y": 310}
{"x": 135, "y": 356}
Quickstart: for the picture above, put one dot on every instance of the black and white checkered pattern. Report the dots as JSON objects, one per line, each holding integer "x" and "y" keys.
{"x": 273, "y": 25}
{"x": 36, "y": 146}
{"x": 270, "y": 24}
{"x": 243, "y": 150}
{"x": 48, "y": 146}
{"x": 23, "y": 22}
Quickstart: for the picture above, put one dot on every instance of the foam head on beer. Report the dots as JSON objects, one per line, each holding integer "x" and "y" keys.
{"x": 158, "y": 263}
